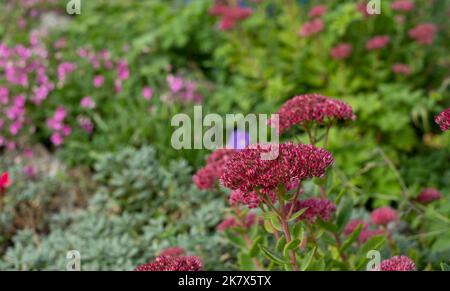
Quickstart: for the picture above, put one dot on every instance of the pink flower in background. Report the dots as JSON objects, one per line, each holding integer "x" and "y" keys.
{"x": 423, "y": 33}
{"x": 56, "y": 138}
{"x": 398, "y": 263}
{"x": 59, "y": 129}
{"x": 443, "y": 119}
{"x": 230, "y": 15}
{"x": 175, "y": 83}
{"x": 227, "y": 223}
{"x": 5, "y": 182}
{"x": 123, "y": 71}
{"x": 118, "y": 86}
{"x": 4, "y": 93}
{"x": 173, "y": 252}
{"x": 311, "y": 27}
{"x": 314, "y": 208}
{"x": 312, "y": 107}
{"x": 64, "y": 69}
{"x": 85, "y": 123}
{"x": 377, "y": 42}
{"x": 341, "y": 51}
{"x": 428, "y": 195}
{"x": 147, "y": 93}
{"x": 226, "y": 23}
{"x": 401, "y": 69}
{"x": 317, "y": 11}
{"x": 251, "y": 199}
{"x": 88, "y": 102}
{"x": 206, "y": 177}
{"x": 173, "y": 263}
{"x": 353, "y": 224}
{"x": 383, "y": 215}
{"x": 365, "y": 235}
{"x": 29, "y": 171}
{"x": 402, "y": 5}
{"x": 98, "y": 81}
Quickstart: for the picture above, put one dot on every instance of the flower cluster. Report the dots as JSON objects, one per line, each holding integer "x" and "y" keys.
{"x": 5, "y": 182}
{"x": 182, "y": 90}
{"x": 173, "y": 252}
{"x": 365, "y": 233}
{"x": 402, "y": 5}
{"x": 59, "y": 129}
{"x": 443, "y": 119}
{"x": 378, "y": 42}
{"x": 317, "y": 11}
{"x": 341, "y": 51}
{"x": 247, "y": 171}
{"x": 206, "y": 177}
{"x": 428, "y": 195}
{"x": 312, "y": 27}
{"x": 173, "y": 263}
{"x": 314, "y": 208}
{"x": 353, "y": 224}
{"x": 383, "y": 216}
{"x": 312, "y": 107}
{"x": 230, "y": 15}
{"x": 423, "y": 33}
{"x": 398, "y": 263}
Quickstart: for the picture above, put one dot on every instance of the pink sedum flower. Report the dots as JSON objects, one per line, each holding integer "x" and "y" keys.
{"x": 377, "y": 42}
{"x": 247, "y": 171}
{"x": 428, "y": 195}
{"x": 206, "y": 177}
{"x": 402, "y": 5}
{"x": 443, "y": 119}
{"x": 173, "y": 263}
{"x": 173, "y": 252}
{"x": 383, "y": 215}
{"x": 398, "y": 263}
{"x": 401, "y": 69}
{"x": 365, "y": 235}
{"x": 341, "y": 51}
{"x": 423, "y": 33}
{"x": 353, "y": 224}
{"x": 311, "y": 28}
{"x": 315, "y": 208}
{"x": 312, "y": 107}
{"x": 317, "y": 11}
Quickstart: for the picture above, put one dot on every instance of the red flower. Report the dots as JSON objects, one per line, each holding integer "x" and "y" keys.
{"x": 311, "y": 27}
{"x": 206, "y": 177}
{"x": 383, "y": 215}
{"x": 317, "y": 11}
{"x": 230, "y": 15}
{"x": 315, "y": 207}
{"x": 428, "y": 195}
{"x": 377, "y": 42}
{"x": 229, "y": 222}
{"x": 248, "y": 172}
{"x": 312, "y": 107}
{"x": 398, "y": 263}
{"x": 170, "y": 263}
{"x": 423, "y": 33}
{"x": 443, "y": 119}
{"x": 341, "y": 51}
{"x": 5, "y": 182}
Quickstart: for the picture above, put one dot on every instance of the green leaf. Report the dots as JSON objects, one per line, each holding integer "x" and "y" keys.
{"x": 245, "y": 262}
{"x": 268, "y": 226}
{"x": 307, "y": 260}
{"x": 280, "y": 243}
{"x": 235, "y": 240}
{"x": 344, "y": 213}
{"x": 254, "y": 250}
{"x": 293, "y": 244}
{"x": 374, "y": 243}
{"x": 327, "y": 225}
{"x": 272, "y": 256}
{"x": 352, "y": 238}
{"x": 297, "y": 214}
{"x": 276, "y": 223}
{"x": 445, "y": 267}
{"x": 297, "y": 232}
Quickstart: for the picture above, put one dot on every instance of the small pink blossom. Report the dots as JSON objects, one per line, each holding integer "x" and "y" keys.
{"x": 317, "y": 11}
{"x": 341, "y": 51}
{"x": 377, "y": 42}
{"x": 311, "y": 27}
{"x": 401, "y": 69}
{"x": 383, "y": 215}
{"x": 147, "y": 93}
{"x": 98, "y": 81}
{"x": 423, "y": 33}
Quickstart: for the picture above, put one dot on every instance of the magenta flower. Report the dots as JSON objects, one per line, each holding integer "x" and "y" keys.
{"x": 312, "y": 107}
{"x": 341, "y": 51}
{"x": 206, "y": 177}
{"x": 251, "y": 199}
{"x": 402, "y": 5}
{"x": 171, "y": 263}
{"x": 147, "y": 93}
{"x": 5, "y": 182}
{"x": 85, "y": 123}
{"x": 353, "y": 224}
{"x": 98, "y": 81}
{"x": 377, "y": 42}
{"x": 246, "y": 171}
{"x": 383, "y": 215}
{"x": 315, "y": 208}
{"x": 443, "y": 119}
{"x": 317, "y": 11}
{"x": 311, "y": 27}
{"x": 401, "y": 69}
{"x": 230, "y": 15}
{"x": 175, "y": 83}
{"x": 227, "y": 223}
{"x": 398, "y": 263}
{"x": 88, "y": 102}
{"x": 365, "y": 235}
{"x": 428, "y": 195}
{"x": 423, "y": 33}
